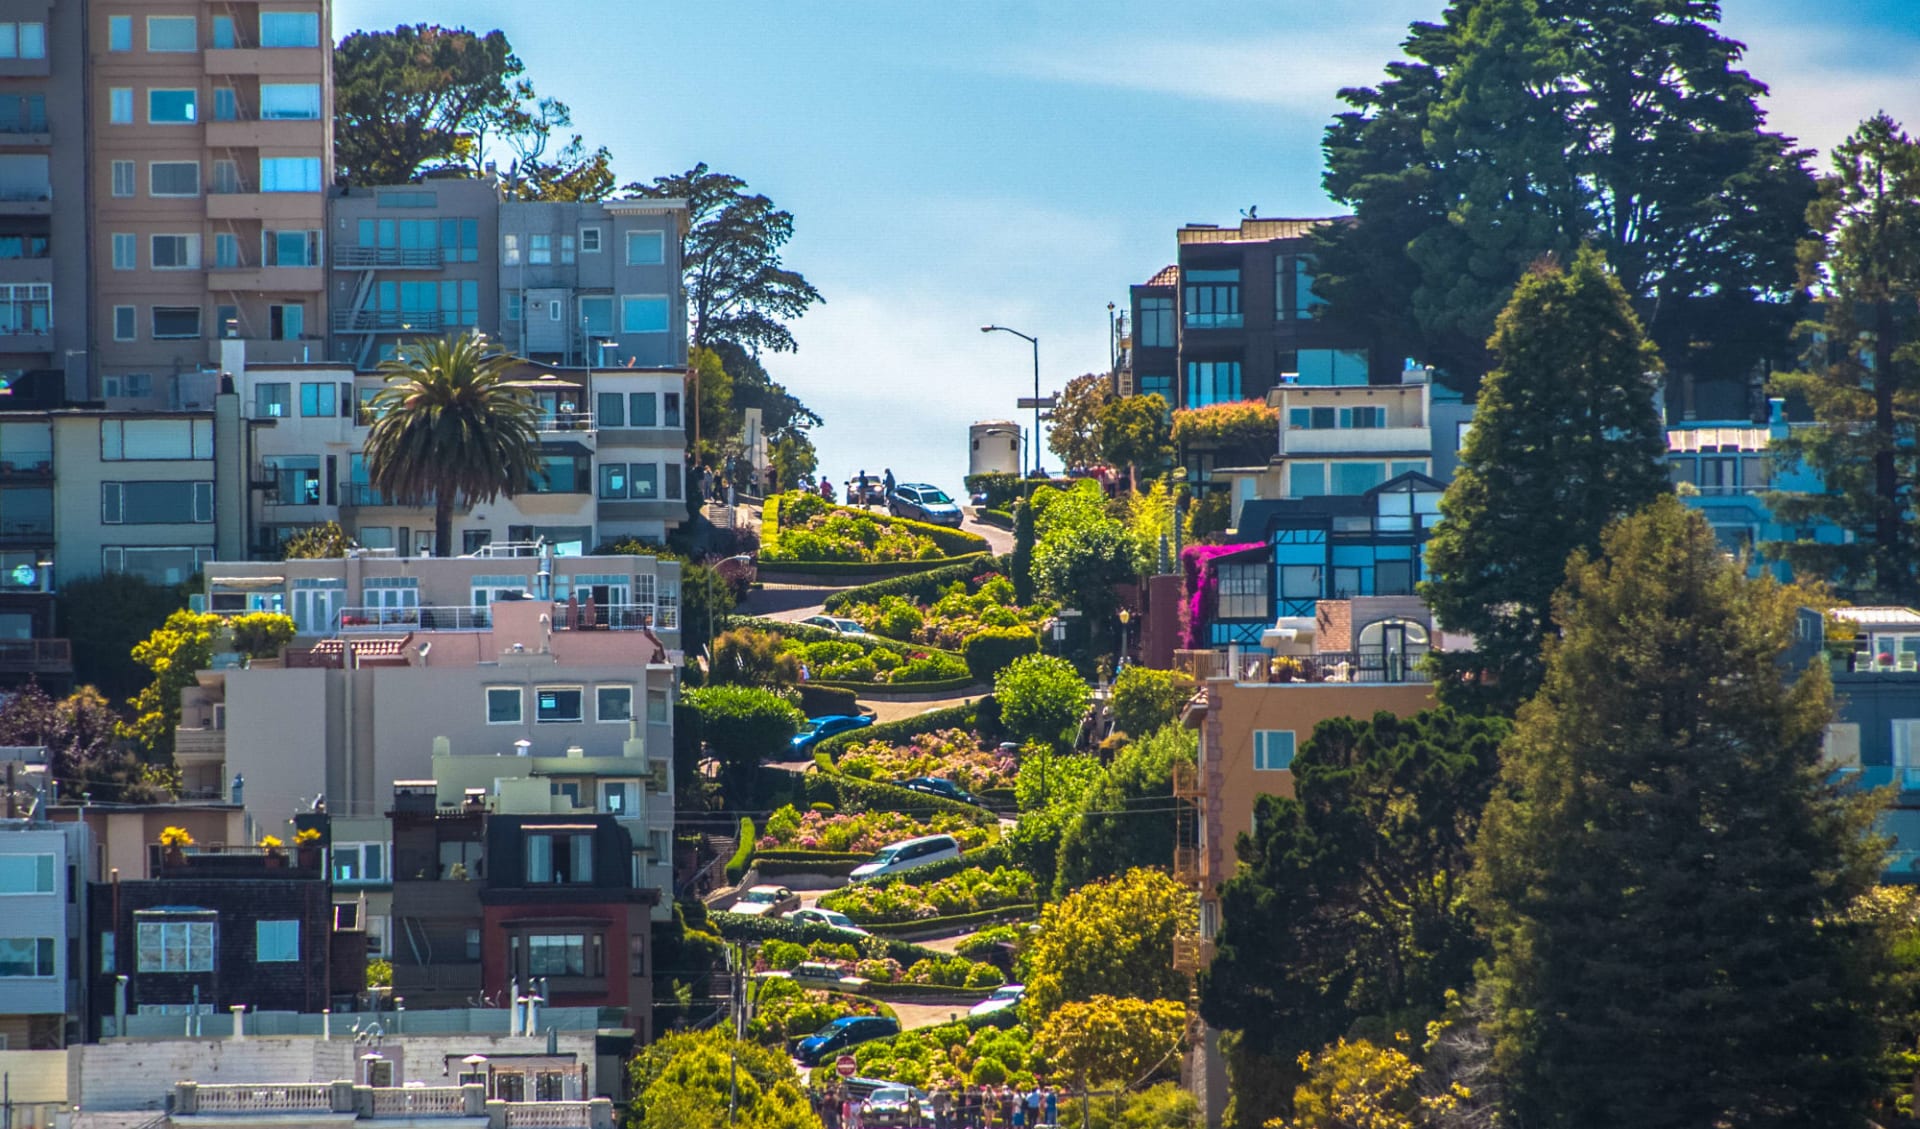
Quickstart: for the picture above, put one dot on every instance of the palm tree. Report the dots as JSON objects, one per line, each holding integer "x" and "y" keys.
{"x": 449, "y": 424}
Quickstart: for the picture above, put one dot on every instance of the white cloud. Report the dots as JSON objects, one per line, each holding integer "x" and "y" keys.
{"x": 1826, "y": 78}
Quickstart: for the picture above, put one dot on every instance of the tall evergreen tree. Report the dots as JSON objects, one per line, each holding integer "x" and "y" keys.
{"x": 1565, "y": 440}
{"x": 1862, "y": 372}
{"x": 1664, "y": 869}
{"x": 1517, "y": 128}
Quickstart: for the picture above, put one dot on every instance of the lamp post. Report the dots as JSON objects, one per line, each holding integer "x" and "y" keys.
{"x": 1126, "y": 617}
{"x": 1035, "y": 342}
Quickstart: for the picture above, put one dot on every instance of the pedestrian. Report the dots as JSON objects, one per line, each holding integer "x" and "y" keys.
{"x": 886, "y": 484}
{"x": 773, "y": 479}
{"x": 942, "y": 1106}
{"x": 913, "y": 1109}
{"x": 861, "y": 485}
{"x": 1019, "y": 1113}
{"x": 1007, "y": 1104}
{"x": 1033, "y": 1105}
{"x": 1053, "y": 1106}
{"x": 729, "y": 493}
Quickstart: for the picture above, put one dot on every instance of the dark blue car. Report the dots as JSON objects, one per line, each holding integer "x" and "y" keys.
{"x": 847, "y": 1031}
{"x": 818, "y": 729}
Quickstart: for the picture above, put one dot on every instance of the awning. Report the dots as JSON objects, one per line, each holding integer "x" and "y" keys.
{"x": 248, "y": 581}
{"x": 565, "y": 447}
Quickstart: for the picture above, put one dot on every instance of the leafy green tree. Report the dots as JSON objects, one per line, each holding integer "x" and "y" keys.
{"x": 1862, "y": 372}
{"x": 744, "y": 657}
{"x": 1351, "y": 903}
{"x": 785, "y": 419}
{"x": 317, "y": 542}
{"x": 1565, "y": 440}
{"x": 1112, "y": 938}
{"x": 1145, "y": 699}
{"x": 176, "y": 651}
{"x": 1134, "y": 432}
{"x": 410, "y": 100}
{"x": 743, "y": 725}
{"x": 738, "y": 289}
{"x": 1022, "y": 563}
{"x": 1073, "y": 426}
{"x": 1107, "y": 1040}
{"x": 712, "y": 396}
{"x": 448, "y": 425}
{"x": 1125, "y": 820}
{"x": 686, "y": 1080}
{"x": 1041, "y": 698}
{"x": 1518, "y": 128}
{"x": 80, "y": 734}
{"x": 104, "y": 617}
{"x": 1666, "y": 874}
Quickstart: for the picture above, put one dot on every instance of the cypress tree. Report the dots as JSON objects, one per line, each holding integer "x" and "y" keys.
{"x": 1022, "y": 564}
{"x": 1664, "y": 869}
{"x": 1565, "y": 440}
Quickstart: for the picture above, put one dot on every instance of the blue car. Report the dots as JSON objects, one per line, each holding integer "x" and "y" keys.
{"x": 818, "y": 729}
{"x": 847, "y": 1031}
{"x": 921, "y": 502}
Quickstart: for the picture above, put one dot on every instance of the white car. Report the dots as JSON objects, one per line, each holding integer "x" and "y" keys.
{"x": 828, "y": 918}
{"x": 839, "y": 625}
{"x": 1003, "y": 997}
{"x": 766, "y": 901}
{"x": 907, "y": 854}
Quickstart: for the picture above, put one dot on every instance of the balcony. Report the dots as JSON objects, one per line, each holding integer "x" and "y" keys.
{"x": 354, "y": 495}
{"x": 26, "y": 200}
{"x": 275, "y": 280}
{"x": 36, "y": 656}
{"x": 1186, "y": 781}
{"x": 308, "y": 209}
{"x": 1201, "y": 665}
{"x": 31, "y": 531}
{"x": 30, "y": 466}
{"x": 1296, "y": 442}
{"x": 303, "y": 134}
{"x": 386, "y": 621}
{"x": 386, "y": 321}
{"x": 199, "y": 746}
{"x": 269, "y": 62}
{"x": 405, "y": 258}
{"x": 1186, "y": 865}
{"x": 1191, "y": 953}
{"x": 1369, "y": 664}
{"x": 25, "y": 135}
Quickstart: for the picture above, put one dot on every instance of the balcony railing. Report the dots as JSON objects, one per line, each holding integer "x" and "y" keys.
{"x": 1186, "y": 781}
{"x": 566, "y": 421}
{"x": 199, "y": 745}
{"x": 386, "y": 321}
{"x": 1186, "y": 865}
{"x": 1191, "y": 953}
{"x": 35, "y": 656}
{"x": 417, "y": 1101}
{"x": 442, "y": 617}
{"x": 560, "y": 1115}
{"x": 316, "y": 1097}
{"x": 1365, "y": 665}
{"x": 435, "y": 618}
{"x": 29, "y": 528}
{"x": 361, "y": 494}
{"x": 417, "y": 258}
{"x": 1201, "y": 665}
{"x": 27, "y": 464}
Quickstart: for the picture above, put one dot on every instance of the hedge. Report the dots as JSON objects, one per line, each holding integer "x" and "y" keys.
{"x": 741, "y": 927}
{"x": 855, "y": 570}
{"x": 920, "y": 587}
{"x": 955, "y": 542}
{"x": 742, "y": 851}
{"x": 849, "y": 794}
{"x": 927, "y": 992}
{"x": 787, "y": 868}
{"x": 883, "y": 689}
{"x": 808, "y": 633}
{"x": 990, "y": 650}
{"x": 817, "y": 700}
{"x": 989, "y": 857}
{"x": 1001, "y": 518}
{"x": 794, "y": 854}
{"x": 1000, "y": 489}
{"x": 953, "y": 922}
{"x": 907, "y": 728}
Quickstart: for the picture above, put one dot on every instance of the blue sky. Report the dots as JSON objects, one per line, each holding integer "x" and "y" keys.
{"x": 954, "y": 164}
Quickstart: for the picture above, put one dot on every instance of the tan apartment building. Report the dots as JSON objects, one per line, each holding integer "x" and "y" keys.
{"x": 212, "y": 149}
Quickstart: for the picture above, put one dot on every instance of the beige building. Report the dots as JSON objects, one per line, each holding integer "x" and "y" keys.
{"x": 211, "y": 151}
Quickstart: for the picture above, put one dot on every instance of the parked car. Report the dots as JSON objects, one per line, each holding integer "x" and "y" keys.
{"x": 895, "y": 1107}
{"x": 907, "y": 854}
{"x": 767, "y": 901}
{"x": 940, "y": 786}
{"x": 1003, "y": 997}
{"x": 817, "y": 971}
{"x": 818, "y": 729}
{"x": 813, "y": 915}
{"x": 920, "y": 502}
{"x": 867, "y": 491}
{"x": 847, "y": 1031}
{"x": 840, "y": 625}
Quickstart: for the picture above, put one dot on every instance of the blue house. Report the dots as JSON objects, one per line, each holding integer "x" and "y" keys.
{"x": 1722, "y": 469}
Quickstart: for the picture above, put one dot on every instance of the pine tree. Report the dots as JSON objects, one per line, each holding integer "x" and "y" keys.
{"x": 1565, "y": 440}
{"x": 1866, "y": 399}
{"x": 1664, "y": 869}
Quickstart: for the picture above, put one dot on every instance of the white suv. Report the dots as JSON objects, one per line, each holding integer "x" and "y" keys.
{"x": 907, "y": 854}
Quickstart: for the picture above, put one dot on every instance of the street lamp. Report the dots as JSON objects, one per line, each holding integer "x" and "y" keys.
{"x": 1035, "y": 342}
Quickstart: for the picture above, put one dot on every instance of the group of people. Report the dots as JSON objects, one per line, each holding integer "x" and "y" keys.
{"x": 718, "y": 484}
{"x": 952, "y": 1107}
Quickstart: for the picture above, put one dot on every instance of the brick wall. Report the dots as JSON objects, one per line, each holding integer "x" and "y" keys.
{"x": 1333, "y": 625}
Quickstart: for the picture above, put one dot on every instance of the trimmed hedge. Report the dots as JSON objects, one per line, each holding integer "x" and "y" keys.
{"x": 899, "y": 732}
{"x": 1000, "y": 489}
{"x": 989, "y": 857}
{"x": 817, "y": 700}
{"x": 884, "y": 689}
{"x": 847, "y": 794}
{"x": 1001, "y": 518}
{"x": 921, "y": 587}
{"x": 742, "y": 851}
{"x": 737, "y": 927}
{"x": 855, "y": 570}
{"x": 993, "y": 649}
{"x": 925, "y": 992}
{"x": 786, "y": 868}
{"x": 794, "y": 854}
{"x": 954, "y": 542}
{"x": 807, "y": 633}
{"x": 953, "y": 922}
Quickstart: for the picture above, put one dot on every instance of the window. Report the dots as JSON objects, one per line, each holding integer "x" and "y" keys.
{"x": 596, "y": 315}
{"x": 226, "y": 177}
{"x": 296, "y": 481}
{"x": 539, "y": 249}
{"x": 109, "y": 960}
{"x": 557, "y": 704}
{"x": 1357, "y": 478}
{"x": 26, "y": 307}
{"x": 173, "y": 178}
{"x": 120, "y": 107}
{"x": 646, "y": 481}
{"x": 176, "y": 252}
{"x": 124, "y": 178}
{"x": 175, "y": 322}
{"x": 172, "y": 33}
{"x": 289, "y": 101}
{"x": 144, "y": 439}
{"x": 359, "y": 862}
{"x": 643, "y": 314}
{"x": 613, "y": 703}
{"x": 641, "y": 409}
{"x": 226, "y": 250}
{"x": 1304, "y": 299}
{"x": 1156, "y": 323}
{"x": 26, "y": 874}
{"x": 175, "y": 946}
{"x": 225, "y": 36}
{"x": 272, "y": 399}
{"x": 23, "y": 113}
{"x": 560, "y": 954}
{"x": 173, "y": 107}
{"x": 289, "y": 29}
{"x": 1332, "y": 366}
{"x": 659, "y": 709}
{"x": 125, "y": 321}
{"x": 1212, "y": 382}
{"x": 566, "y": 248}
{"x": 1213, "y": 299}
{"x": 1243, "y": 591}
{"x": 165, "y": 564}
{"x": 119, "y": 33}
{"x": 559, "y": 858}
{"x": 23, "y": 40}
{"x": 613, "y": 480}
{"x": 503, "y": 705}
{"x": 510, "y": 256}
{"x": 612, "y": 409}
{"x": 513, "y": 307}
{"x": 289, "y": 174}
{"x": 226, "y": 107}
{"x": 276, "y": 942}
{"x": 290, "y": 248}
{"x": 620, "y": 797}
{"x": 589, "y": 241}
{"x": 126, "y": 250}
{"x": 156, "y": 503}
{"x": 674, "y": 471}
{"x": 319, "y": 399}
{"x": 646, "y": 248}
{"x": 1300, "y": 582}
{"x": 26, "y": 956}
{"x": 1272, "y": 750}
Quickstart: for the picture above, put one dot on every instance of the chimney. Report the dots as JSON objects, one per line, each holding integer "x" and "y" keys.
{"x": 239, "y": 1022}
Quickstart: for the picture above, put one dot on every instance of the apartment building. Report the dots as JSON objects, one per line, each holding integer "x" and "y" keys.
{"x": 43, "y": 162}
{"x": 409, "y": 259}
{"x": 594, "y": 283}
{"x": 211, "y": 149}
{"x": 43, "y": 980}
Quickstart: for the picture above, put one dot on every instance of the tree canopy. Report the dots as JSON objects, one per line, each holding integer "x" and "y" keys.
{"x": 1041, "y": 698}
{"x": 1665, "y": 871}
{"x": 1112, "y": 938}
{"x": 1565, "y": 439}
{"x": 1126, "y": 819}
{"x": 1073, "y": 425}
{"x": 1518, "y": 128}
{"x": 684, "y": 1080}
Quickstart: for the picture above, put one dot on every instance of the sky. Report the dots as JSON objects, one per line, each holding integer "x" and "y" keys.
{"x": 951, "y": 165}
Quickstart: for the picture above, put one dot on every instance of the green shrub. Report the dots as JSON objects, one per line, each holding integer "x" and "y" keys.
{"x": 921, "y": 587}
{"x": 1041, "y": 697}
{"x": 1000, "y": 489}
{"x": 1001, "y": 518}
{"x": 740, "y": 927}
{"x": 899, "y": 732}
{"x": 743, "y": 852}
{"x": 897, "y": 619}
{"x": 824, "y": 701}
{"x": 989, "y": 652}
{"x": 849, "y": 794}
{"x": 1146, "y": 699}
{"x": 907, "y": 898}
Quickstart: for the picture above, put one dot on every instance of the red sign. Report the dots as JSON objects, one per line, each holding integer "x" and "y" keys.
{"x": 845, "y": 1065}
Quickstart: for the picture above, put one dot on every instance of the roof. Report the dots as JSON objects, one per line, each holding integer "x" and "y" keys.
{"x": 1257, "y": 230}
{"x": 1165, "y": 276}
{"x": 1879, "y": 616}
{"x": 366, "y": 648}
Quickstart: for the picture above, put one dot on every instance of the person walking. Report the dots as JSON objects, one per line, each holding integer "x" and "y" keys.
{"x": 1053, "y": 1106}
{"x": 887, "y": 484}
{"x": 860, "y": 484}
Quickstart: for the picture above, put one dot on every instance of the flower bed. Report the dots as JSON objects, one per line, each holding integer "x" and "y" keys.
{"x": 805, "y": 528}
{"x": 954, "y": 754}
{"x": 933, "y": 971}
{"x": 951, "y": 1053}
{"x": 847, "y": 660}
{"x": 865, "y": 832}
{"x": 963, "y": 609}
{"x": 786, "y": 1010}
{"x": 971, "y": 891}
